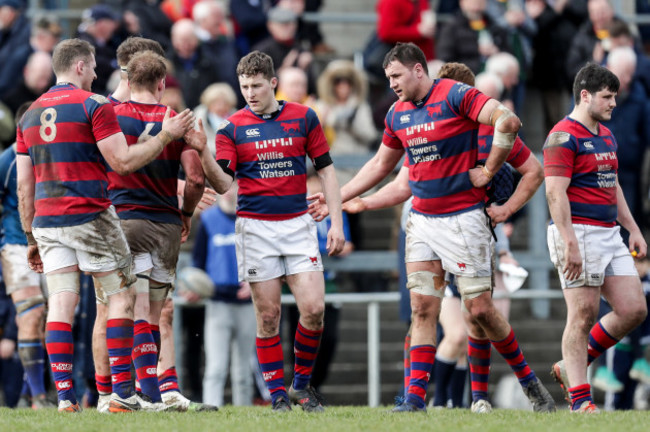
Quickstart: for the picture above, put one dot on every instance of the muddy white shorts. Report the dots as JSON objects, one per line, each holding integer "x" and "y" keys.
{"x": 269, "y": 249}
{"x": 15, "y": 270}
{"x": 462, "y": 242}
{"x": 96, "y": 246}
{"x": 603, "y": 254}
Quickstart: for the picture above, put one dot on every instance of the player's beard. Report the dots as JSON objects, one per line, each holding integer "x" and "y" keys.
{"x": 600, "y": 116}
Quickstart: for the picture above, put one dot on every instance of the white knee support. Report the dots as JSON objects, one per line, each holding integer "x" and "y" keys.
{"x": 112, "y": 283}
{"x": 472, "y": 287}
{"x": 158, "y": 291}
{"x": 142, "y": 282}
{"x": 422, "y": 282}
{"x": 501, "y": 139}
{"x": 63, "y": 282}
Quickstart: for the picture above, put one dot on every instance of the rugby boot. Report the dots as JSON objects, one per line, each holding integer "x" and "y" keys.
{"x": 558, "y": 372}
{"x": 307, "y": 398}
{"x": 540, "y": 397}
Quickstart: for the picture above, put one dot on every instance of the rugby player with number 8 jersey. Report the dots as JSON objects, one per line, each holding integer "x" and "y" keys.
{"x": 63, "y": 142}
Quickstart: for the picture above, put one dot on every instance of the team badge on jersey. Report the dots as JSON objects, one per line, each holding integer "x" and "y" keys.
{"x": 99, "y": 99}
{"x": 557, "y": 139}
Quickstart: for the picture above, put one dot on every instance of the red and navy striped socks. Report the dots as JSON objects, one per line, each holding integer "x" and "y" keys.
{"x": 305, "y": 348}
{"x": 479, "y": 352}
{"x": 599, "y": 341}
{"x": 422, "y": 358}
{"x": 60, "y": 349}
{"x": 145, "y": 360}
{"x": 271, "y": 360}
{"x": 119, "y": 340}
{"x": 509, "y": 349}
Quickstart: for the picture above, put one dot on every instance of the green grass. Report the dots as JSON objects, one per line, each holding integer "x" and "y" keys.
{"x": 335, "y": 419}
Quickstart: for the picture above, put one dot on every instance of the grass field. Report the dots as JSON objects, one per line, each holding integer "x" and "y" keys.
{"x": 335, "y": 419}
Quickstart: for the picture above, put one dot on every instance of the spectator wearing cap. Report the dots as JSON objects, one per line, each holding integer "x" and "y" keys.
{"x": 98, "y": 27}
{"x": 194, "y": 68}
{"x": 14, "y": 41}
{"x": 46, "y": 33}
{"x": 283, "y": 46}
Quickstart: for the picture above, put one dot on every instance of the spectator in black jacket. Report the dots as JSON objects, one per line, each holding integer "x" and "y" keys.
{"x": 471, "y": 36}
{"x": 194, "y": 68}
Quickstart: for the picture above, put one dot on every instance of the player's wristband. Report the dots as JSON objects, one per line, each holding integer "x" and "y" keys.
{"x": 164, "y": 137}
{"x": 31, "y": 241}
{"x": 186, "y": 213}
{"x": 487, "y": 172}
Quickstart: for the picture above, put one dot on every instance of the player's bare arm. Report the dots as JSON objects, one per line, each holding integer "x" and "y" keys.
{"x": 193, "y": 189}
{"x": 558, "y": 204}
{"x": 532, "y": 177}
{"x": 637, "y": 242}
{"x": 217, "y": 177}
{"x": 391, "y": 194}
{"x": 374, "y": 171}
{"x": 335, "y": 236}
{"x": 506, "y": 125}
{"x": 26, "y": 190}
{"x": 125, "y": 159}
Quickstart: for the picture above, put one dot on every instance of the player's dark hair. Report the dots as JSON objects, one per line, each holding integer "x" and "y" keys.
{"x": 68, "y": 52}
{"x": 134, "y": 45}
{"x": 594, "y": 78}
{"x": 457, "y": 72}
{"x": 255, "y": 63}
{"x": 408, "y": 54}
{"x": 145, "y": 70}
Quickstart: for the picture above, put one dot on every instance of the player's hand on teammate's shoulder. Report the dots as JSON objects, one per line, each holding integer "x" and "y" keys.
{"x": 317, "y": 208}
{"x": 335, "y": 241}
{"x": 179, "y": 124}
{"x": 34, "y": 259}
{"x": 196, "y": 138}
{"x": 355, "y": 205}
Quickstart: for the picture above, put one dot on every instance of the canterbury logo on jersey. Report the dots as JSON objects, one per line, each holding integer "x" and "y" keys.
{"x": 255, "y": 132}
{"x": 405, "y": 118}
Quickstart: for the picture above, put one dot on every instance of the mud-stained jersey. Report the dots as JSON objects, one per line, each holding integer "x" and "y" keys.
{"x": 60, "y": 132}
{"x": 150, "y": 192}
{"x": 440, "y": 136}
{"x": 571, "y": 150}
{"x": 268, "y": 156}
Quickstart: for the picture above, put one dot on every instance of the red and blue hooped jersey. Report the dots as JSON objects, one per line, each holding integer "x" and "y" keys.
{"x": 571, "y": 150}
{"x": 150, "y": 192}
{"x": 60, "y": 132}
{"x": 440, "y": 137}
{"x": 268, "y": 157}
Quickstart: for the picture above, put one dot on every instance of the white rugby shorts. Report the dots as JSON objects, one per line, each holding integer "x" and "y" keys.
{"x": 603, "y": 254}
{"x": 270, "y": 249}
{"x": 15, "y": 270}
{"x": 96, "y": 246}
{"x": 463, "y": 242}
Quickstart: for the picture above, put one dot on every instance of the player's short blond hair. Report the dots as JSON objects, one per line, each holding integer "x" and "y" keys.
{"x": 145, "y": 70}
